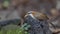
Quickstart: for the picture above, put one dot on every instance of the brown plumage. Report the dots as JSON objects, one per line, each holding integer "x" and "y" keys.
{"x": 38, "y": 15}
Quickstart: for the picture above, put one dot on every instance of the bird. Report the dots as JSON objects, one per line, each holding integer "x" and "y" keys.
{"x": 38, "y": 25}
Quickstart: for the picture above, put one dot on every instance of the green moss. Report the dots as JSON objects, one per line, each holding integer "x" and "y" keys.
{"x": 14, "y": 29}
